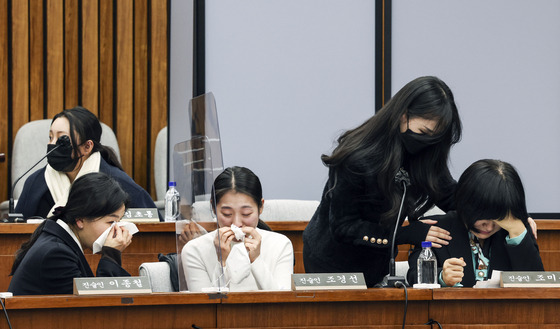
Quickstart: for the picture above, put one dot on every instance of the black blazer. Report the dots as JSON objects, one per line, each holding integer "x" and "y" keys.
{"x": 52, "y": 263}
{"x": 346, "y": 233}
{"x": 503, "y": 257}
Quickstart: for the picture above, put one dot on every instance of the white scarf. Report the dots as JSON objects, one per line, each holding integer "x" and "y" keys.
{"x": 59, "y": 183}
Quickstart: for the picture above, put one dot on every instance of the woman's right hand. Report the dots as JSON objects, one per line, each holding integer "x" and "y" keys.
{"x": 118, "y": 238}
{"x": 190, "y": 232}
{"x": 453, "y": 272}
{"x": 222, "y": 242}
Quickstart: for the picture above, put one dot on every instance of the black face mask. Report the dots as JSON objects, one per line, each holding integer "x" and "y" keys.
{"x": 416, "y": 143}
{"x": 61, "y": 158}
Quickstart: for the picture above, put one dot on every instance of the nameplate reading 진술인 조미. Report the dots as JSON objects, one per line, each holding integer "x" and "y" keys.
{"x": 536, "y": 279}
{"x": 328, "y": 281}
{"x": 141, "y": 215}
{"x": 121, "y": 285}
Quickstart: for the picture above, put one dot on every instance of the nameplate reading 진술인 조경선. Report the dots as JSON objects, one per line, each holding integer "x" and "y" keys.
{"x": 536, "y": 279}
{"x": 328, "y": 281}
{"x": 141, "y": 215}
{"x": 121, "y": 285}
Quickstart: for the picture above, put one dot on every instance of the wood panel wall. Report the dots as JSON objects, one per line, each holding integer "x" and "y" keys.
{"x": 110, "y": 56}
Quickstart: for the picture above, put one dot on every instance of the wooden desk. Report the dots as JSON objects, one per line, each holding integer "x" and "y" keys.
{"x": 453, "y": 308}
{"x": 371, "y": 308}
{"x": 155, "y": 238}
{"x": 139, "y": 311}
{"x": 511, "y": 308}
{"x": 374, "y": 308}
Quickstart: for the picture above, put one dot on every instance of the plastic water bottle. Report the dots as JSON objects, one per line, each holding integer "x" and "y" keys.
{"x": 427, "y": 264}
{"x": 171, "y": 203}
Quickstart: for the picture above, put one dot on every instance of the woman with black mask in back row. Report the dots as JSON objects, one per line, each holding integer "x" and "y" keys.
{"x": 47, "y": 188}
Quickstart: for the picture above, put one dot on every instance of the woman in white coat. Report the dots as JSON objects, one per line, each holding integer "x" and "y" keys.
{"x": 238, "y": 256}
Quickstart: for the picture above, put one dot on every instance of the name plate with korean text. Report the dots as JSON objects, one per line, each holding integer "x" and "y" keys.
{"x": 328, "y": 281}
{"x": 535, "y": 279}
{"x": 141, "y": 215}
{"x": 112, "y": 285}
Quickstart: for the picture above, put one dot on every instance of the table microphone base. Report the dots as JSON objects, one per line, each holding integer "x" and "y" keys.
{"x": 15, "y": 218}
{"x": 392, "y": 281}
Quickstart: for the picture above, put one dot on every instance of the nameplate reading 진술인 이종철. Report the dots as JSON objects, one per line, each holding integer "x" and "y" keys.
{"x": 112, "y": 285}
{"x": 141, "y": 215}
{"x": 328, "y": 281}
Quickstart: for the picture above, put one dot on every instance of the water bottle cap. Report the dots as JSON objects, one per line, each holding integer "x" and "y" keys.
{"x": 172, "y": 184}
{"x": 426, "y": 244}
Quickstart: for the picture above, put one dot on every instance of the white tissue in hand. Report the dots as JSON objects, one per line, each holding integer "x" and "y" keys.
{"x": 239, "y": 234}
{"x": 98, "y": 244}
{"x": 238, "y": 264}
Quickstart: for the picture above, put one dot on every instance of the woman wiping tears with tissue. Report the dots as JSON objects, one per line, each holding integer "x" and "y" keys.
{"x": 54, "y": 255}
{"x": 238, "y": 255}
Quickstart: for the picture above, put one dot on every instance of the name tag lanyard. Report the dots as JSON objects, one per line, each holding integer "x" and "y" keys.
{"x": 481, "y": 272}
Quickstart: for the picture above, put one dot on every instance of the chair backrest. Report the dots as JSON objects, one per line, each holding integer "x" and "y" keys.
{"x": 30, "y": 145}
{"x": 158, "y": 274}
{"x": 288, "y": 210}
{"x": 160, "y": 164}
{"x": 275, "y": 210}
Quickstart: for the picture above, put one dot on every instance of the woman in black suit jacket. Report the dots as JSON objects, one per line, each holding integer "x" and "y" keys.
{"x": 406, "y": 142}
{"x": 490, "y": 228}
{"x": 53, "y": 257}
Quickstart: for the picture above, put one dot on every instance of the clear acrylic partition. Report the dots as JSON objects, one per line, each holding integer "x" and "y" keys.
{"x": 196, "y": 163}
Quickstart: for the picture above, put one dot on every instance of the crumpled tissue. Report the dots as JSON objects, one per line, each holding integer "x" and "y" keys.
{"x": 98, "y": 244}
{"x": 239, "y": 234}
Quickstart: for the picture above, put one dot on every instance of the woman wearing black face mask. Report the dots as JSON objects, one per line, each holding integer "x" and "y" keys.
{"x": 410, "y": 137}
{"x": 79, "y": 154}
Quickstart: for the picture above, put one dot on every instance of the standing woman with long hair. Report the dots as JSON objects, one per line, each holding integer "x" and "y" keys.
{"x": 406, "y": 142}
{"x": 47, "y": 188}
{"x": 54, "y": 255}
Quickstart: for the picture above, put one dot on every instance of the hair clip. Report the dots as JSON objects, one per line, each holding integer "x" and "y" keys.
{"x": 59, "y": 211}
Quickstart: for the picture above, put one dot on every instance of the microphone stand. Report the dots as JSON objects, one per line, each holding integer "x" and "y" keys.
{"x": 18, "y": 217}
{"x": 392, "y": 279}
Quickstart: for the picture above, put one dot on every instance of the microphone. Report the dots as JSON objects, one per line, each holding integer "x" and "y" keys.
{"x": 63, "y": 140}
{"x": 392, "y": 280}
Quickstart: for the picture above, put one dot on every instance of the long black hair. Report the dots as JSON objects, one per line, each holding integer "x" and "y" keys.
{"x": 490, "y": 189}
{"x": 375, "y": 147}
{"x": 85, "y": 126}
{"x": 91, "y": 197}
